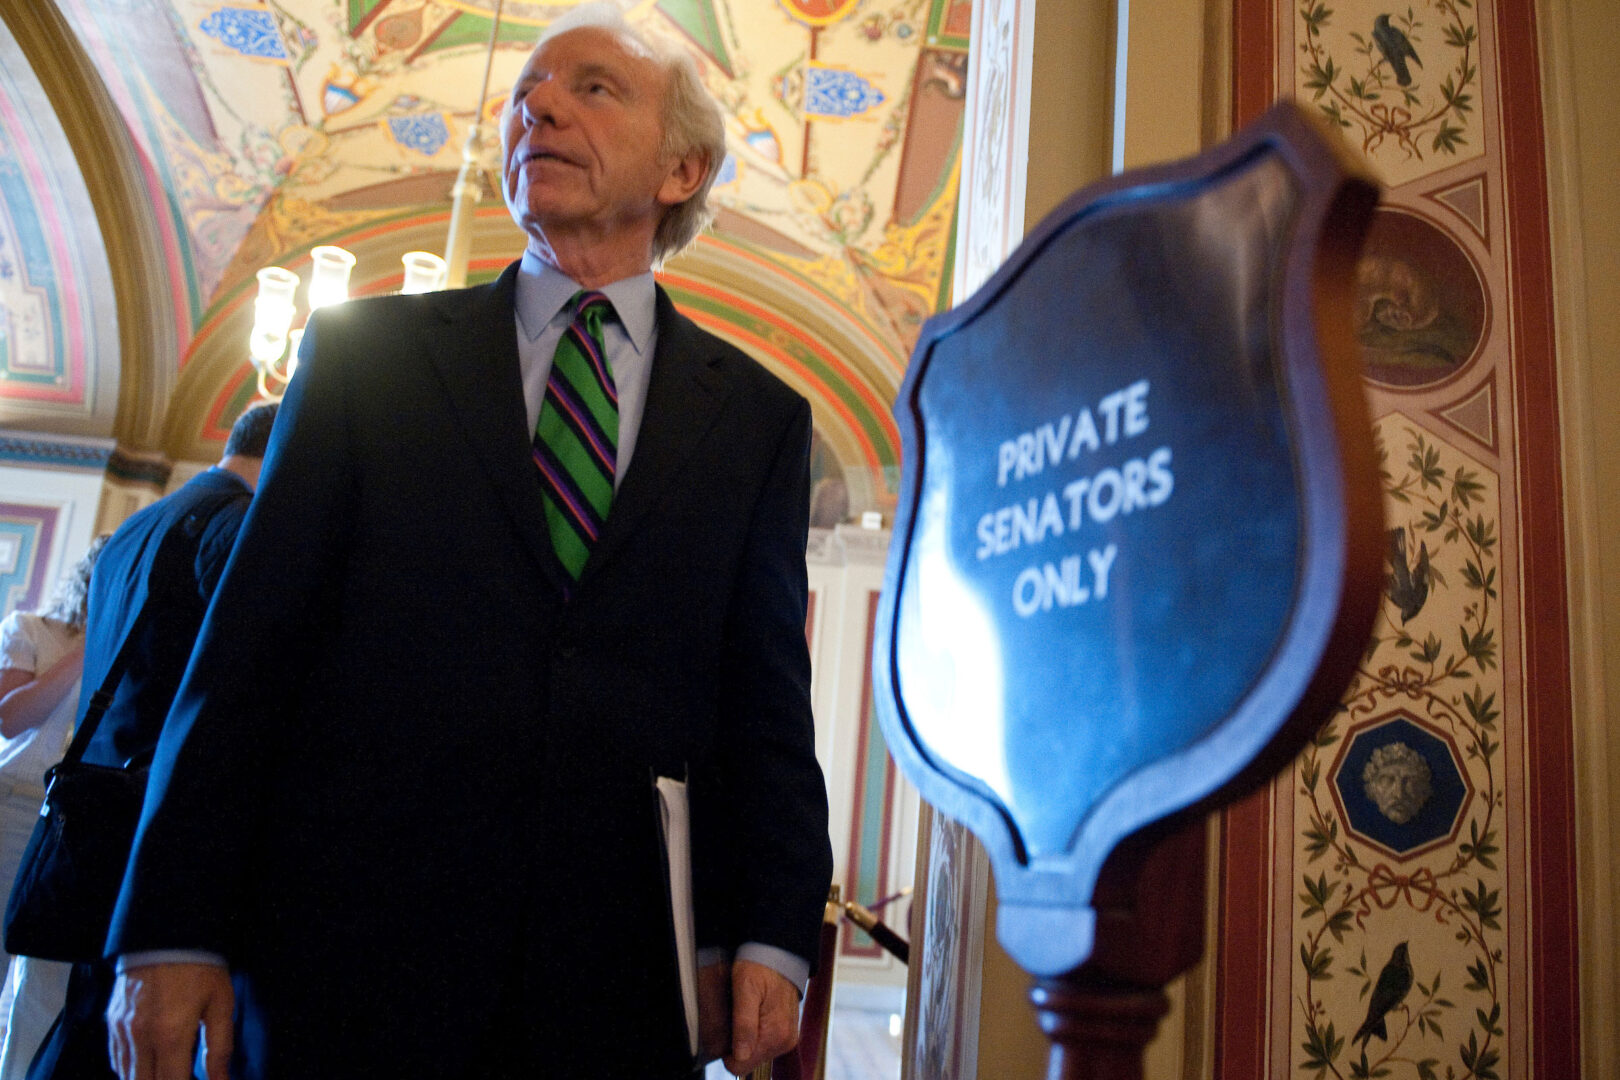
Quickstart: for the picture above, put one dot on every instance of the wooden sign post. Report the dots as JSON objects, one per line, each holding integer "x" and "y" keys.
{"x": 1138, "y": 552}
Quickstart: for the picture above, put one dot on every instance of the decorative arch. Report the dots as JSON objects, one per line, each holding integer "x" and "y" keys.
{"x": 121, "y": 247}
{"x": 844, "y": 366}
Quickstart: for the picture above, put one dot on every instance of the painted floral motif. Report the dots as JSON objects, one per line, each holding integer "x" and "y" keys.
{"x": 249, "y": 32}
{"x": 343, "y": 90}
{"x": 220, "y": 189}
{"x": 817, "y": 12}
{"x": 838, "y": 93}
{"x": 727, "y": 173}
{"x": 1385, "y": 89}
{"x": 426, "y": 133}
{"x": 897, "y": 22}
{"x": 268, "y": 124}
{"x": 25, "y": 345}
{"x": 1381, "y": 995}
{"x": 760, "y": 137}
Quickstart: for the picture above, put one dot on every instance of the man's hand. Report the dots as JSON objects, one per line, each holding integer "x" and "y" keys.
{"x": 154, "y": 1015}
{"x": 764, "y": 1017}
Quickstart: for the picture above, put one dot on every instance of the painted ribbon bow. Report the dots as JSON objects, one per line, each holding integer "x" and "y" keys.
{"x": 1409, "y": 681}
{"x": 1396, "y": 119}
{"x": 1399, "y": 886}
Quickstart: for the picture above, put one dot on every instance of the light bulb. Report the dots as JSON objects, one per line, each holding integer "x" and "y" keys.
{"x": 329, "y": 278}
{"x": 424, "y": 272}
{"x": 272, "y": 314}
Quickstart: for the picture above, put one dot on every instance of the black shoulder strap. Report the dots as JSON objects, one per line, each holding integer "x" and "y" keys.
{"x": 102, "y": 698}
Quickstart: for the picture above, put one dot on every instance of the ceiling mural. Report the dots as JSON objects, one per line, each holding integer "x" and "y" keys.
{"x": 56, "y": 314}
{"x": 270, "y": 127}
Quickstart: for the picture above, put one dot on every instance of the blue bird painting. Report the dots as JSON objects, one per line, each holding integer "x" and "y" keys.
{"x": 1408, "y": 585}
{"x": 1396, "y": 49}
{"x": 1394, "y": 982}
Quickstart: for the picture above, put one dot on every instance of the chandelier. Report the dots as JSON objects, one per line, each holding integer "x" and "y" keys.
{"x": 273, "y": 343}
{"x": 275, "y": 307}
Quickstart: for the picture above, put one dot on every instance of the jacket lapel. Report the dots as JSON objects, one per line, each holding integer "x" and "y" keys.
{"x": 477, "y": 360}
{"x": 684, "y": 396}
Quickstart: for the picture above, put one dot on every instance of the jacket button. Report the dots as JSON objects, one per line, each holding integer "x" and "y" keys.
{"x": 569, "y": 651}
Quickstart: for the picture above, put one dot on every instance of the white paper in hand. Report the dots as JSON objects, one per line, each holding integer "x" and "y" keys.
{"x": 676, "y": 821}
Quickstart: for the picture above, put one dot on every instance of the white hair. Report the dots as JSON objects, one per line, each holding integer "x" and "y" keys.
{"x": 692, "y": 121}
{"x": 599, "y": 13}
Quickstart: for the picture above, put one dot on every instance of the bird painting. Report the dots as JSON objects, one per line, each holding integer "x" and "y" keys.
{"x": 1408, "y": 585}
{"x": 1391, "y": 989}
{"x": 1396, "y": 48}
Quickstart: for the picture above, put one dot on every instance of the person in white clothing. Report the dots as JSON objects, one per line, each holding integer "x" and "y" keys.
{"x": 41, "y": 656}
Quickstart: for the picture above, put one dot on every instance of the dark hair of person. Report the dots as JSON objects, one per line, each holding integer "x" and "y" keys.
{"x": 251, "y": 432}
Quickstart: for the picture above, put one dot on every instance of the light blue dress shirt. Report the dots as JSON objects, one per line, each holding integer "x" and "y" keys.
{"x": 628, "y": 339}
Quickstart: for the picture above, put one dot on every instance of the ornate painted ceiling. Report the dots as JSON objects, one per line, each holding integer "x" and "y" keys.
{"x": 261, "y": 128}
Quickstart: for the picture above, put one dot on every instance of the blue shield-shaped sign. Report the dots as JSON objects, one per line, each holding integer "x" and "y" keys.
{"x": 1138, "y": 543}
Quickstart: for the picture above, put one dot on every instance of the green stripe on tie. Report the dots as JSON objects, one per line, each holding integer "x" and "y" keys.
{"x": 576, "y": 439}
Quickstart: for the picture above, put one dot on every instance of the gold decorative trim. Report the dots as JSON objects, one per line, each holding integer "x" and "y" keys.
{"x": 147, "y": 338}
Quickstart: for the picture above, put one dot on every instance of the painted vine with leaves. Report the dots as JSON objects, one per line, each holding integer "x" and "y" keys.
{"x": 1378, "y": 93}
{"x": 1434, "y": 1023}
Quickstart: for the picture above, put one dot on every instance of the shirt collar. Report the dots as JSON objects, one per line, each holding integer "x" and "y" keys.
{"x": 543, "y": 291}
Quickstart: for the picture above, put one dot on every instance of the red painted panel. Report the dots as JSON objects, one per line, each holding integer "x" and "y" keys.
{"x": 1242, "y": 975}
{"x": 1242, "y": 991}
{"x": 1555, "y": 973}
{"x": 851, "y": 945}
{"x": 1241, "y": 946}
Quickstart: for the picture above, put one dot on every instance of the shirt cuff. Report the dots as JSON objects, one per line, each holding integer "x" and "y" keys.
{"x": 795, "y": 969}
{"x": 127, "y": 961}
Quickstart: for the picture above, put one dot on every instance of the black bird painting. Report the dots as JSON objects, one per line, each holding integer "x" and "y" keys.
{"x": 1396, "y": 49}
{"x": 1391, "y": 989}
{"x": 1408, "y": 585}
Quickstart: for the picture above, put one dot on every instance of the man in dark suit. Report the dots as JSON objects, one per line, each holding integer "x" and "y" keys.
{"x": 406, "y": 791}
{"x": 152, "y": 584}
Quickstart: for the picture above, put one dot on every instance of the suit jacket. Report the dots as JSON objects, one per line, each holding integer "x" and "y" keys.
{"x": 151, "y": 586}
{"x": 407, "y": 789}
{"x": 166, "y": 560}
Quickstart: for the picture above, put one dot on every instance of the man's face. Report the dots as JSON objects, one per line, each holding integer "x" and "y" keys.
{"x": 581, "y": 140}
{"x": 1400, "y": 788}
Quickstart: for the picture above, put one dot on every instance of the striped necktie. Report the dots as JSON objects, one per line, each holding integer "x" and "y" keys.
{"x": 577, "y": 437}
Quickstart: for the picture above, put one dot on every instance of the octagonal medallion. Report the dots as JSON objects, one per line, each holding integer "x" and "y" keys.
{"x": 1400, "y": 784}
